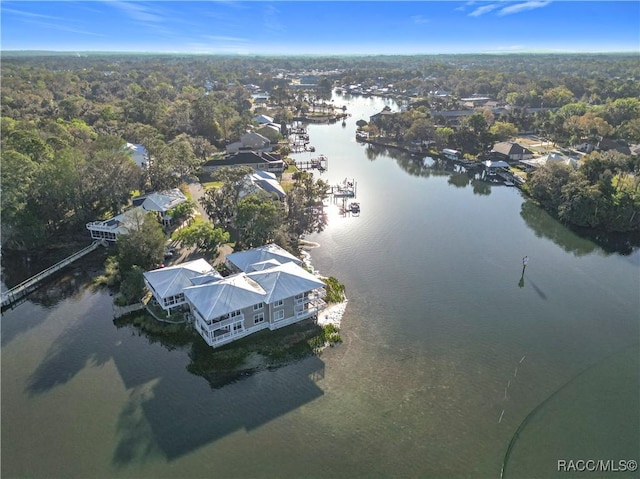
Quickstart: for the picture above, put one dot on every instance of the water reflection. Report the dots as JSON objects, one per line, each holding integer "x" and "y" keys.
{"x": 149, "y": 423}
{"x": 579, "y": 242}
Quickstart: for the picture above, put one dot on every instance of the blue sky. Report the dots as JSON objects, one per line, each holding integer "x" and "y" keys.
{"x": 308, "y": 27}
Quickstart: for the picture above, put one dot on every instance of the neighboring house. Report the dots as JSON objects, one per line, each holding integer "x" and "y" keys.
{"x": 604, "y": 144}
{"x": 243, "y": 261}
{"x": 262, "y": 181}
{"x": 608, "y": 144}
{"x": 550, "y": 158}
{"x": 257, "y": 160}
{"x": 263, "y": 119}
{"x": 242, "y": 304}
{"x": 386, "y": 112}
{"x": 167, "y": 284}
{"x": 122, "y": 224}
{"x": 160, "y": 203}
{"x": 139, "y": 154}
{"x": 511, "y": 151}
{"x": 250, "y": 141}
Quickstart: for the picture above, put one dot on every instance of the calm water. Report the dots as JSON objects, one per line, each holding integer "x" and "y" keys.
{"x": 447, "y": 350}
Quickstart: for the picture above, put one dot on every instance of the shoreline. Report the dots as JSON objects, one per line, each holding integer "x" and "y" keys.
{"x": 333, "y": 313}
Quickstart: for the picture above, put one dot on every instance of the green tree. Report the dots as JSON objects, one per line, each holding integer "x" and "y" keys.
{"x": 221, "y": 203}
{"x": 143, "y": 246}
{"x": 259, "y": 217}
{"x": 202, "y": 235}
{"x": 503, "y": 130}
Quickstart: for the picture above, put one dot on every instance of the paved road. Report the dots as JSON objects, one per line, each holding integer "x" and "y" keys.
{"x": 197, "y": 192}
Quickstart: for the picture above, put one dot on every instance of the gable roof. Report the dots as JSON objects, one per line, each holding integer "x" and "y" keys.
{"x": 509, "y": 148}
{"x": 285, "y": 281}
{"x": 225, "y": 296}
{"x": 244, "y": 259}
{"x": 172, "y": 280}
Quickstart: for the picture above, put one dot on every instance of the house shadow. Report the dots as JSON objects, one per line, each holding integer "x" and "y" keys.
{"x": 170, "y": 411}
{"x": 180, "y": 416}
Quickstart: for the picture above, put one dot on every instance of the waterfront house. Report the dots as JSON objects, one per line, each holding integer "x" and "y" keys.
{"x": 250, "y": 141}
{"x": 121, "y": 224}
{"x": 244, "y": 261}
{"x": 257, "y": 160}
{"x": 549, "y": 158}
{"x": 242, "y": 304}
{"x": 167, "y": 284}
{"x": 510, "y": 151}
{"x": 160, "y": 203}
{"x": 263, "y": 181}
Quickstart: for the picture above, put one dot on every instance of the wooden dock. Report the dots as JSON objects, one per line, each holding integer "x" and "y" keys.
{"x": 21, "y": 290}
{"x": 320, "y": 163}
{"x": 346, "y": 189}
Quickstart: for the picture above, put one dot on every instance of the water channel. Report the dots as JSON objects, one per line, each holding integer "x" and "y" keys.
{"x": 448, "y": 351}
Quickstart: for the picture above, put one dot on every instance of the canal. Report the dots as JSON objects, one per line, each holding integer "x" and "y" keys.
{"x": 449, "y": 350}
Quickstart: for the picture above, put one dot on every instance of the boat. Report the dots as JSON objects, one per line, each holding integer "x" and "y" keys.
{"x": 354, "y": 207}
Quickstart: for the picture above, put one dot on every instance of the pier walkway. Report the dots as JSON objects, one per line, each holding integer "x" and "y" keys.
{"x": 31, "y": 284}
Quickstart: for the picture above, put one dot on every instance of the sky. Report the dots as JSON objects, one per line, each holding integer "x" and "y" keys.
{"x": 322, "y": 28}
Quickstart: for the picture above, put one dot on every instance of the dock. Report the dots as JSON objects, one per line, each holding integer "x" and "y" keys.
{"x": 23, "y": 289}
{"x": 346, "y": 189}
{"x": 320, "y": 163}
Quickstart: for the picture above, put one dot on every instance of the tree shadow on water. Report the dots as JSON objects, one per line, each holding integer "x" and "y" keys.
{"x": 179, "y": 414}
{"x": 80, "y": 345}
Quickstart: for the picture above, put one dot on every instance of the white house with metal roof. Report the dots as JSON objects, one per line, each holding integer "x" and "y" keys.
{"x": 167, "y": 284}
{"x": 243, "y": 304}
{"x": 263, "y": 181}
{"x": 139, "y": 154}
{"x": 161, "y": 202}
{"x": 122, "y": 224}
{"x": 243, "y": 260}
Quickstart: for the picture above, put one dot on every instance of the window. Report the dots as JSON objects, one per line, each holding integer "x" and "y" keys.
{"x": 237, "y": 327}
{"x": 258, "y": 318}
{"x": 278, "y": 315}
{"x": 258, "y": 307}
{"x": 234, "y": 314}
{"x": 278, "y": 303}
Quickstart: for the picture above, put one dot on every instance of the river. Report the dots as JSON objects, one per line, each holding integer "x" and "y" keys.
{"x": 448, "y": 351}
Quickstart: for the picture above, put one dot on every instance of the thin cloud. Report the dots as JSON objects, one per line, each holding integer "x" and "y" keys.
{"x": 138, "y": 11}
{"x": 484, "y": 9}
{"x": 223, "y": 38}
{"x": 29, "y": 14}
{"x": 522, "y": 7}
{"x": 271, "y": 23}
{"x": 63, "y": 28}
{"x": 420, "y": 19}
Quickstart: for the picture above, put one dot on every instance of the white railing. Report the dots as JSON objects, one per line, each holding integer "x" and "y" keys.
{"x": 100, "y": 226}
{"x": 225, "y": 322}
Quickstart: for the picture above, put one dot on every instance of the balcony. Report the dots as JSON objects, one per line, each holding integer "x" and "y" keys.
{"x": 227, "y": 321}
